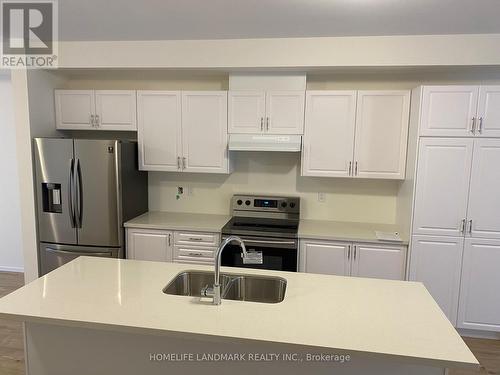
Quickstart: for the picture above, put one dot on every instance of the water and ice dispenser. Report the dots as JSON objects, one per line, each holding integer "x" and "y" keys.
{"x": 51, "y": 194}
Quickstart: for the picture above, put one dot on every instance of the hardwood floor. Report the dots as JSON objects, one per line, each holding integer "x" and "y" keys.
{"x": 11, "y": 333}
{"x": 12, "y": 349}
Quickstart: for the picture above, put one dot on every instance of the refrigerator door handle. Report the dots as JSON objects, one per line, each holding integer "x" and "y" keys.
{"x": 71, "y": 192}
{"x": 79, "y": 195}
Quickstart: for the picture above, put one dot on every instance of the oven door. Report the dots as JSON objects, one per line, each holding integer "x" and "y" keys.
{"x": 276, "y": 254}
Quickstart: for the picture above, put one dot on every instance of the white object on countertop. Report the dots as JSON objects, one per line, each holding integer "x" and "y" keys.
{"x": 388, "y": 236}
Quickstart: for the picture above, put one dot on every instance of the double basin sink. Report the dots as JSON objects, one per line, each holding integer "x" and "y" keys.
{"x": 236, "y": 287}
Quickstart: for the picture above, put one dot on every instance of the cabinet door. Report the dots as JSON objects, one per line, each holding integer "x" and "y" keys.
{"x": 285, "y": 112}
{"x": 381, "y": 134}
{"x": 116, "y": 110}
{"x": 74, "y": 109}
{"x": 484, "y": 196}
{"x": 329, "y": 133}
{"x": 154, "y": 245}
{"x": 437, "y": 262}
{"x": 379, "y": 261}
{"x": 489, "y": 111}
{"x": 479, "y": 306}
{"x": 159, "y": 130}
{"x": 204, "y": 131}
{"x": 330, "y": 258}
{"x": 246, "y": 111}
{"x": 442, "y": 186}
{"x": 448, "y": 110}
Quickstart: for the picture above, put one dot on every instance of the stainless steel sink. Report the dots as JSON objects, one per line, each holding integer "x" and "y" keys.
{"x": 235, "y": 287}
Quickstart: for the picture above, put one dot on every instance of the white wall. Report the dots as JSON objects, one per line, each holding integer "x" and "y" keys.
{"x": 276, "y": 173}
{"x": 11, "y": 255}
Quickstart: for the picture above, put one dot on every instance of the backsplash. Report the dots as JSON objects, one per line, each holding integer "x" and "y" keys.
{"x": 277, "y": 174}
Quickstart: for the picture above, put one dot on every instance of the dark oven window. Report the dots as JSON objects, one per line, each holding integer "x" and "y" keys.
{"x": 273, "y": 259}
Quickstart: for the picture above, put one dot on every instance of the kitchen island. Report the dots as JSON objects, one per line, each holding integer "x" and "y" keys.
{"x": 108, "y": 316}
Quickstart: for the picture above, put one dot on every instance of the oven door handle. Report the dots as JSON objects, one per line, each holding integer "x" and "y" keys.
{"x": 270, "y": 242}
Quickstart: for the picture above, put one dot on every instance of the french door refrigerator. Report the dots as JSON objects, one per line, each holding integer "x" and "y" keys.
{"x": 85, "y": 190}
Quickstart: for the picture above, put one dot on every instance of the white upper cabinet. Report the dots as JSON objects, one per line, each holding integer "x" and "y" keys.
{"x": 484, "y": 197}
{"x": 381, "y": 134}
{"x": 285, "y": 112}
{"x": 159, "y": 130}
{"x": 116, "y": 110}
{"x": 442, "y": 187}
{"x": 266, "y": 112}
{"x": 329, "y": 133}
{"x": 204, "y": 131}
{"x": 479, "y": 306}
{"x": 356, "y": 134}
{"x": 448, "y": 110}
{"x": 95, "y": 110}
{"x": 74, "y": 109}
{"x": 330, "y": 258}
{"x": 488, "y": 112}
{"x": 437, "y": 262}
{"x": 246, "y": 111}
{"x": 379, "y": 261}
{"x": 183, "y": 131}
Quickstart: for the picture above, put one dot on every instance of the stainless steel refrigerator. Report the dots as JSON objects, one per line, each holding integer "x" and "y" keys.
{"x": 85, "y": 190}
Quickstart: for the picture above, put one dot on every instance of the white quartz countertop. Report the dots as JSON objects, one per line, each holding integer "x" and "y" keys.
{"x": 365, "y": 316}
{"x": 179, "y": 221}
{"x": 346, "y": 231}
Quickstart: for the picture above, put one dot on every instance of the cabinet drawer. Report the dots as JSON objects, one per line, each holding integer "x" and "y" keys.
{"x": 194, "y": 253}
{"x": 196, "y": 238}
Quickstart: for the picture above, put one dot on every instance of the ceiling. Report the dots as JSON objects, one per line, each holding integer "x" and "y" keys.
{"x": 227, "y": 19}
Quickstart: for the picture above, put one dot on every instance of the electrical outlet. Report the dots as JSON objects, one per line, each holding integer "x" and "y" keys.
{"x": 180, "y": 190}
{"x": 321, "y": 197}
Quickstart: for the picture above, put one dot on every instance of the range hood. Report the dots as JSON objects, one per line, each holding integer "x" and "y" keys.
{"x": 265, "y": 142}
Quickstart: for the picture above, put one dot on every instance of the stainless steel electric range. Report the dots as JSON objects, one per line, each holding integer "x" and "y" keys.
{"x": 268, "y": 226}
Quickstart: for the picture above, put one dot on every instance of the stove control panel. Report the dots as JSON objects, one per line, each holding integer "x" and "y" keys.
{"x": 266, "y": 204}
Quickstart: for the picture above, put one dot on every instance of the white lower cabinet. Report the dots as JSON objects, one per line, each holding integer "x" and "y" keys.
{"x": 154, "y": 245}
{"x": 479, "y": 305}
{"x": 436, "y": 262}
{"x": 379, "y": 261}
{"x": 329, "y": 258}
{"x": 172, "y": 246}
{"x": 353, "y": 259}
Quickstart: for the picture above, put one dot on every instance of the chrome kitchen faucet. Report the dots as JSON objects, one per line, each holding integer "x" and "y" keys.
{"x": 215, "y": 291}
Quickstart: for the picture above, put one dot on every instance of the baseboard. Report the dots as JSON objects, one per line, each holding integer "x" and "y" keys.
{"x": 479, "y": 334}
{"x": 11, "y": 269}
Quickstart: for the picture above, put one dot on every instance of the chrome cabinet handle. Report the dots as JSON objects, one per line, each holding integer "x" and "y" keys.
{"x": 169, "y": 240}
{"x": 356, "y": 168}
{"x": 267, "y": 123}
{"x": 355, "y": 248}
{"x": 92, "y": 121}
{"x": 262, "y": 124}
{"x": 349, "y": 252}
{"x": 195, "y": 254}
{"x": 480, "y": 129}
{"x": 462, "y": 226}
{"x": 183, "y": 163}
{"x": 178, "y": 162}
{"x": 473, "y": 128}
{"x": 350, "y": 167}
{"x": 470, "y": 226}
{"x": 195, "y": 239}
{"x": 97, "y": 121}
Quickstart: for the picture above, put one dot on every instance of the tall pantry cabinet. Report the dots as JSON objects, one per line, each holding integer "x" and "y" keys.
{"x": 455, "y": 246}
